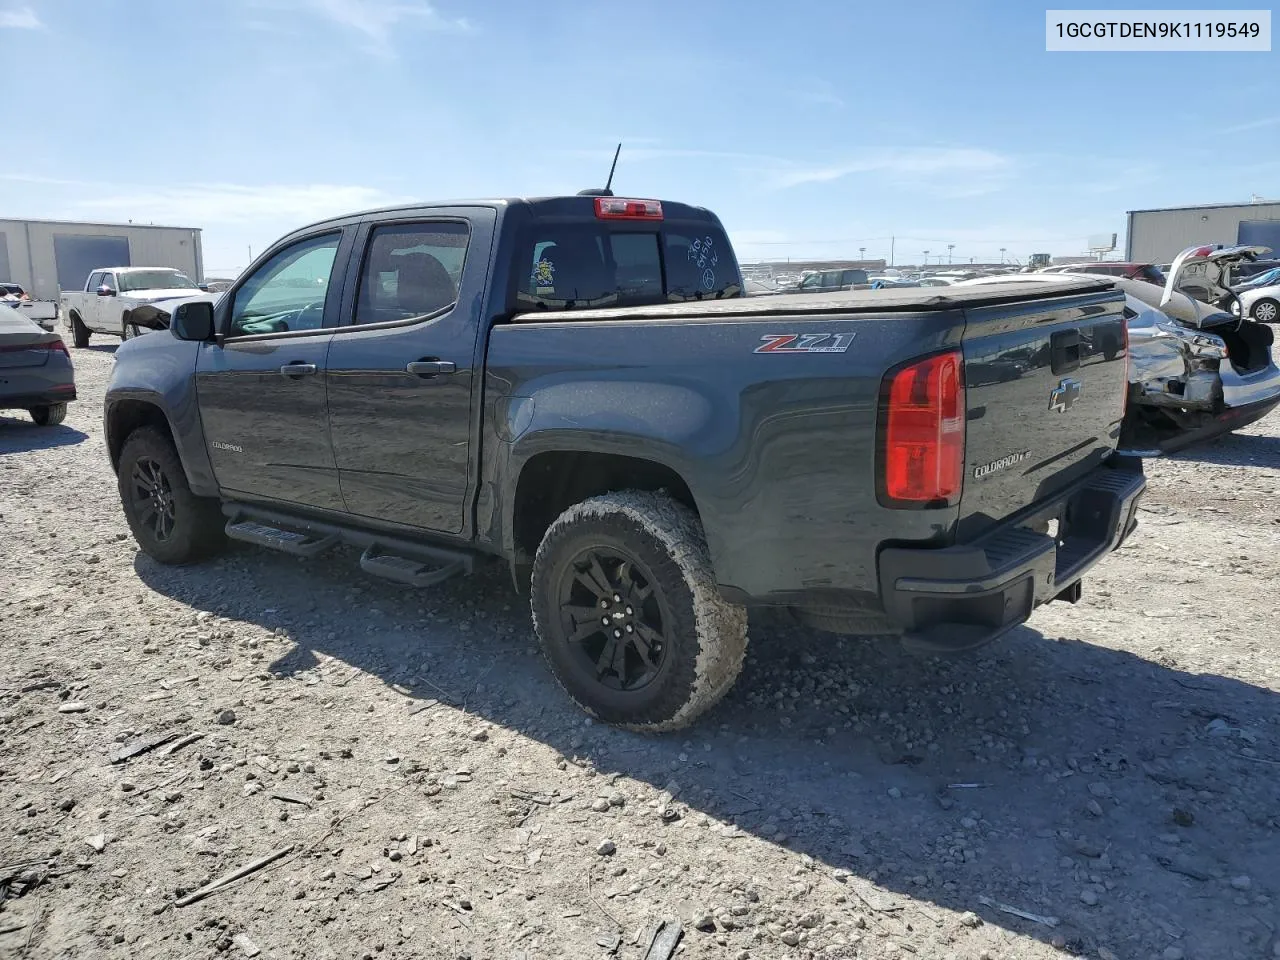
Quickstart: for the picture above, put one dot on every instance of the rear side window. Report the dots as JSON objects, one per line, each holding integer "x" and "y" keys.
{"x": 569, "y": 266}
{"x": 411, "y": 270}
{"x": 1151, "y": 275}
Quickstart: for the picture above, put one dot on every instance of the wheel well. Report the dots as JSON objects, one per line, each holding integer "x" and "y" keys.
{"x": 550, "y": 483}
{"x": 126, "y": 417}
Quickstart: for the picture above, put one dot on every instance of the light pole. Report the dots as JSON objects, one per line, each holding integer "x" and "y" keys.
{"x": 1002, "y": 249}
{"x": 950, "y": 247}
{"x": 926, "y": 258}
{"x": 862, "y": 253}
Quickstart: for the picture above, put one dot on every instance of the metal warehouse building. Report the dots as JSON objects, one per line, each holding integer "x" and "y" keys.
{"x": 1157, "y": 236}
{"x": 46, "y": 256}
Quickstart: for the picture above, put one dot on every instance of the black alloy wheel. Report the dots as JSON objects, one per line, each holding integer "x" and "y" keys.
{"x": 612, "y": 618}
{"x": 153, "y": 498}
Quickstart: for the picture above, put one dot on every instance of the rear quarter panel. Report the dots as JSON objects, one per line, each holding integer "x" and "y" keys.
{"x": 777, "y": 449}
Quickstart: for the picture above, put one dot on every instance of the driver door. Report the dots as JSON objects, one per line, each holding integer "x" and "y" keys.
{"x": 263, "y": 386}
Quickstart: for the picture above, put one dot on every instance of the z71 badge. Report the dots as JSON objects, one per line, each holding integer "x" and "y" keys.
{"x": 804, "y": 343}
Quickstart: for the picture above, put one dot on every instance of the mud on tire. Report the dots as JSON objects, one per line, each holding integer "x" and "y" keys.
{"x": 630, "y": 571}
{"x": 152, "y": 482}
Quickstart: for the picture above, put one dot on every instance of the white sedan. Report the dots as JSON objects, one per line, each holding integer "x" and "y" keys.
{"x": 1259, "y": 297}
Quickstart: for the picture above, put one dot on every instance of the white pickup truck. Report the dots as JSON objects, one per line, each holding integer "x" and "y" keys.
{"x": 111, "y": 293}
{"x": 43, "y": 312}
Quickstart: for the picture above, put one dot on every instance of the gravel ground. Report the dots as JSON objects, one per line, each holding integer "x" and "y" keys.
{"x": 1111, "y": 772}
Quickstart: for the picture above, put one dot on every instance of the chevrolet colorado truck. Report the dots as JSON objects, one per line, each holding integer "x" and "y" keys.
{"x": 110, "y": 295}
{"x": 576, "y": 386}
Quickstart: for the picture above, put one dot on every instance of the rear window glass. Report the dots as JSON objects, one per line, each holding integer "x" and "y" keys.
{"x": 568, "y": 266}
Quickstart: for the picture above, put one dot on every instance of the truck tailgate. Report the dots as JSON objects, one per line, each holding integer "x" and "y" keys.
{"x": 1044, "y": 396}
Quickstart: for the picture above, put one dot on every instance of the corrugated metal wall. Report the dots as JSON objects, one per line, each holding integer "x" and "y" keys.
{"x": 1157, "y": 236}
{"x": 32, "y": 261}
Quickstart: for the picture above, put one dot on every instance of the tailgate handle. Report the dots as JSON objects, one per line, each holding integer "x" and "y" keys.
{"x": 1064, "y": 351}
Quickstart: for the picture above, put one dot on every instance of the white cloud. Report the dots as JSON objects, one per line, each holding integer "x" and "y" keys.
{"x": 20, "y": 18}
{"x": 940, "y": 171}
{"x": 223, "y": 203}
{"x": 957, "y": 171}
{"x": 1253, "y": 125}
{"x": 818, "y": 92}
{"x": 379, "y": 21}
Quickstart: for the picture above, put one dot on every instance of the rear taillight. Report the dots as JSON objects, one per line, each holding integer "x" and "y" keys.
{"x": 50, "y": 345}
{"x": 922, "y": 417}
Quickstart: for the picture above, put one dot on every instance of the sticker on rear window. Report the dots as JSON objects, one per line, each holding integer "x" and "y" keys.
{"x": 544, "y": 272}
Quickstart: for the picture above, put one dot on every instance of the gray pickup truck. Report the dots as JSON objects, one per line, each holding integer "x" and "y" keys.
{"x": 576, "y": 385}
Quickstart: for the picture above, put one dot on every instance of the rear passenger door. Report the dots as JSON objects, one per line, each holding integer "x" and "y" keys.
{"x": 403, "y": 369}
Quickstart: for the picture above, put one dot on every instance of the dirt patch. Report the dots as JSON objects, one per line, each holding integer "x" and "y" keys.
{"x": 1103, "y": 783}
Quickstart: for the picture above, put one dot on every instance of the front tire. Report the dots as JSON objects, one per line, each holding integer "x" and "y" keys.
{"x": 626, "y": 609}
{"x": 169, "y": 522}
{"x": 79, "y": 332}
{"x": 1266, "y": 311}
{"x": 50, "y": 415}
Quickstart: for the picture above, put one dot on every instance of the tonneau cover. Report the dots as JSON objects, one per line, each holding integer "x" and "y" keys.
{"x": 903, "y": 300}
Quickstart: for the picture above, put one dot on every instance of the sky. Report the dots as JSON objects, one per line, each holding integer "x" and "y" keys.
{"x": 813, "y": 129}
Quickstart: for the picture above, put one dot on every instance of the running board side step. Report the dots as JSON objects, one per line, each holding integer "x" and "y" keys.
{"x": 413, "y": 572}
{"x": 410, "y": 562}
{"x": 288, "y": 541}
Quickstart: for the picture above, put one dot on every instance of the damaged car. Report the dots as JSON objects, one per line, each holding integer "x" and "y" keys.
{"x": 1196, "y": 371}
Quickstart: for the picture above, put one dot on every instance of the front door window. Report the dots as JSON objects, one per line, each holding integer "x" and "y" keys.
{"x": 289, "y": 292}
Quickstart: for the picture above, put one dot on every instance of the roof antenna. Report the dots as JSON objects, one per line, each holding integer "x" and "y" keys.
{"x": 606, "y": 192}
{"x": 612, "y": 167}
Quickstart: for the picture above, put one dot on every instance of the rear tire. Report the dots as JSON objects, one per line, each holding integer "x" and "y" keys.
{"x": 79, "y": 332}
{"x": 1266, "y": 311}
{"x": 50, "y": 415}
{"x": 169, "y": 522}
{"x": 625, "y": 580}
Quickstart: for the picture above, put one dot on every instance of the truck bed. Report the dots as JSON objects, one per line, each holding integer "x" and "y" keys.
{"x": 783, "y": 450}
{"x": 905, "y": 300}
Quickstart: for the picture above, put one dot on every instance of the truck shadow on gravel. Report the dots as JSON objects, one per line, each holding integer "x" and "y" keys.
{"x": 20, "y": 435}
{"x": 1122, "y": 797}
{"x": 1235, "y": 450}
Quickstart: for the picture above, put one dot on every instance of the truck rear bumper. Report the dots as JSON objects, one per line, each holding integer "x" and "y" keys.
{"x": 960, "y": 597}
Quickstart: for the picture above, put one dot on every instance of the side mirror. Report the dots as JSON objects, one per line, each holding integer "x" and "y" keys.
{"x": 193, "y": 321}
{"x": 105, "y": 291}
{"x": 203, "y": 286}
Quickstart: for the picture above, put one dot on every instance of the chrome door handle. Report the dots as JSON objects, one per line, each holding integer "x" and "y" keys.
{"x": 298, "y": 369}
{"x": 429, "y": 368}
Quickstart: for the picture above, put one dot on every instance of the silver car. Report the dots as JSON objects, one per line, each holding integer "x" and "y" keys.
{"x": 1195, "y": 371}
{"x": 35, "y": 369}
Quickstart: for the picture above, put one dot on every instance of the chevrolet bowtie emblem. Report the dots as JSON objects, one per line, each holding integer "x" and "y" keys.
{"x": 1064, "y": 395}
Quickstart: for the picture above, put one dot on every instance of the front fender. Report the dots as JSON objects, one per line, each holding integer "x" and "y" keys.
{"x": 159, "y": 372}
